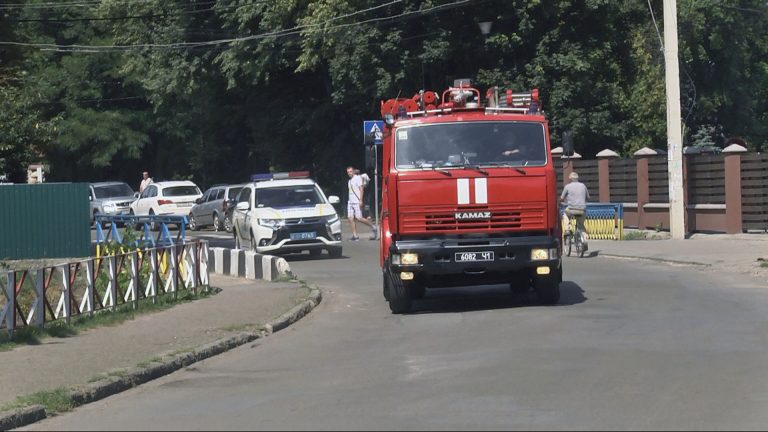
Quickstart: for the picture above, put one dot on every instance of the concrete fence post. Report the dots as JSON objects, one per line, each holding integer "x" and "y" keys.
{"x": 733, "y": 216}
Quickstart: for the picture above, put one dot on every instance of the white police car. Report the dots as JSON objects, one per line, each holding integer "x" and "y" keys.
{"x": 286, "y": 212}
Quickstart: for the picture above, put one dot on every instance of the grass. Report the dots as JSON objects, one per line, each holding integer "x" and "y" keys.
{"x": 764, "y": 264}
{"x": 102, "y": 318}
{"x": 54, "y": 401}
{"x": 635, "y": 235}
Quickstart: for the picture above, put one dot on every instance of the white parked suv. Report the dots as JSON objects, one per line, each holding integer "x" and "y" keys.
{"x": 167, "y": 198}
{"x": 275, "y": 216}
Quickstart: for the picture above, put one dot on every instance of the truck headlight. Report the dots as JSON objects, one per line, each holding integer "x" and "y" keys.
{"x": 271, "y": 223}
{"x": 405, "y": 259}
{"x": 543, "y": 254}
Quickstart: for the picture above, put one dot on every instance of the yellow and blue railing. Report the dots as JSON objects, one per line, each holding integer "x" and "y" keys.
{"x": 603, "y": 221}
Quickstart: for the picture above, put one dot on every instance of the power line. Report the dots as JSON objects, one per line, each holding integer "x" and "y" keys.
{"x": 277, "y": 33}
{"x": 57, "y": 5}
{"x": 88, "y": 3}
{"x": 130, "y": 17}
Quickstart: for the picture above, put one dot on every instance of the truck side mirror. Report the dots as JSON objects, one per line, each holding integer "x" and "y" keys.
{"x": 370, "y": 157}
{"x": 568, "y": 143}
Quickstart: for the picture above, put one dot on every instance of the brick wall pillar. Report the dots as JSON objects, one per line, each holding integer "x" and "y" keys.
{"x": 733, "y": 221}
{"x": 604, "y": 174}
{"x": 643, "y": 186}
{"x": 643, "y": 193}
{"x": 567, "y": 170}
{"x": 568, "y": 167}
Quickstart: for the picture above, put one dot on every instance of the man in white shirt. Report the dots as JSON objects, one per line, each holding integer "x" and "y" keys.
{"x": 145, "y": 181}
{"x": 575, "y": 196}
{"x": 355, "y": 204}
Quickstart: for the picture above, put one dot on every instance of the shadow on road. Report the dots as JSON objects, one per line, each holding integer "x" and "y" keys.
{"x": 490, "y": 297}
{"x": 298, "y": 257}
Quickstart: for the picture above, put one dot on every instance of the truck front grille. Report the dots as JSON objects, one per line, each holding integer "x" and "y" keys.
{"x": 511, "y": 217}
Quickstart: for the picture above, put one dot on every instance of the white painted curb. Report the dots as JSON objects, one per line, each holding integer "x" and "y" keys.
{"x": 247, "y": 264}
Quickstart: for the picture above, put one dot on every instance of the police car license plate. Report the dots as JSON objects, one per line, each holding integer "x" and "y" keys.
{"x": 474, "y": 256}
{"x": 303, "y": 235}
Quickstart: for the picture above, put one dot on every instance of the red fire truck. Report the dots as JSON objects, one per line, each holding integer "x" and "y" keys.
{"x": 469, "y": 194}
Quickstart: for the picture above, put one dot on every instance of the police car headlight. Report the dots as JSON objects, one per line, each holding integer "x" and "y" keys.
{"x": 332, "y": 219}
{"x": 272, "y": 223}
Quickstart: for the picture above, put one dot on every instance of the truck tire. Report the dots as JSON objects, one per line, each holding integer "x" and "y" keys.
{"x": 399, "y": 297}
{"x": 548, "y": 289}
{"x": 385, "y": 285}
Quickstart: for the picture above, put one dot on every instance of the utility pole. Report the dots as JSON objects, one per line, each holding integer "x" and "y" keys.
{"x": 674, "y": 128}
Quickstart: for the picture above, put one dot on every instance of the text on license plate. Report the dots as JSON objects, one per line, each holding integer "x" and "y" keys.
{"x": 303, "y": 235}
{"x": 474, "y": 256}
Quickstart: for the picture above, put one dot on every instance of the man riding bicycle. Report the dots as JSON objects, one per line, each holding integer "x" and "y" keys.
{"x": 575, "y": 196}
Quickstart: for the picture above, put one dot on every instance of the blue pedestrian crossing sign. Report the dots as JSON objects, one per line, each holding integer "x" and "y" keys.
{"x": 373, "y": 126}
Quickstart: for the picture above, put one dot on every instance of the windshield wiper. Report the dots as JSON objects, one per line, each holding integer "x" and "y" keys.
{"x": 442, "y": 171}
{"x": 477, "y": 168}
{"x": 508, "y": 165}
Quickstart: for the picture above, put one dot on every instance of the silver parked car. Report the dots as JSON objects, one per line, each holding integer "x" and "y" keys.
{"x": 211, "y": 208}
{"x": 110, "y": 198}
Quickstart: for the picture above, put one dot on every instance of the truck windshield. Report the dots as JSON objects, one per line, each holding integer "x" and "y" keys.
{"x": 470, "y": 144}
{"x": 290, "y": 196}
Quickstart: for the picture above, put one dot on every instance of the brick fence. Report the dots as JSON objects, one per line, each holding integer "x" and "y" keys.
{"x": 723, "y": 193}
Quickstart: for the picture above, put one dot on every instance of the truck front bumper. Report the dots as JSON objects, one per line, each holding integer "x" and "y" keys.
{"x": 456, "y": 262}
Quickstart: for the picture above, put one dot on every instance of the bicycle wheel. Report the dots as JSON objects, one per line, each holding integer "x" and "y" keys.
{"x": 568, "y": 243}
{"x": 579, "y": 244}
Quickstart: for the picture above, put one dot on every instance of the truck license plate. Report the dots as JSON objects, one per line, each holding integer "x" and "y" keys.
{"x": 303, "y": 235}
{"x": 474, "y": 256}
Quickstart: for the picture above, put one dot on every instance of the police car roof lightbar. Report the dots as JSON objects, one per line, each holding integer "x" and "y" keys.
{"x": 279, "y": 176}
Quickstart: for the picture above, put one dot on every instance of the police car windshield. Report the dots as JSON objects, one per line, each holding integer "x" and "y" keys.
{"x": 112, "y": 191}
{"x": 288, "y": 196}
{"x": 470, "y": 143}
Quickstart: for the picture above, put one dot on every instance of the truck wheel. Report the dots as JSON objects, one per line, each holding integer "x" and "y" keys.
{"x": 385, "y": 285}
{"x": 547, "y": 289}
{"x": 399, "y": 297}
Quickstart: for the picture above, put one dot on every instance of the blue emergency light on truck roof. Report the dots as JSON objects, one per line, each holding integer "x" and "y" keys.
{"x": 279, "y": 176}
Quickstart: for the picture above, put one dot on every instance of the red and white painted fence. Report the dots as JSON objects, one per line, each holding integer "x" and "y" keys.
{"x": 35, "y": 297}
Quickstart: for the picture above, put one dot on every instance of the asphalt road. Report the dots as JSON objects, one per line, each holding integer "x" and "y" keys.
{"x": 632, "y": 345}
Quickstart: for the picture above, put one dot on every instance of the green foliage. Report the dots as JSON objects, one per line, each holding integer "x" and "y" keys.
{"x": 293, "y": 91}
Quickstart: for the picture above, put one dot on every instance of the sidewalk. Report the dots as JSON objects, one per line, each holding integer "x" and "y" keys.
{"x": 737, "y": 253}
{"x": 154, "y": 344}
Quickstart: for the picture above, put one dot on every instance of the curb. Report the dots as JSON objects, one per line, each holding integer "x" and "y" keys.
{"x": 248, "y": 264}
{"x": 137, "y": 376}
{"x": 654, "y": 259}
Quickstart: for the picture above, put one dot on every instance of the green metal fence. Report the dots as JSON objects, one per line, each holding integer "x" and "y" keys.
{"x": 49, "y": 220}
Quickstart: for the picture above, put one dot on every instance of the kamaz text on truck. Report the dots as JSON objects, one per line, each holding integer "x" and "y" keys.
{"x": 469, "y": 194}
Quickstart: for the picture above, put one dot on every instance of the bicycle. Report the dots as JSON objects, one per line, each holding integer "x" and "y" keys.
{"x": 575, "y": 238}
